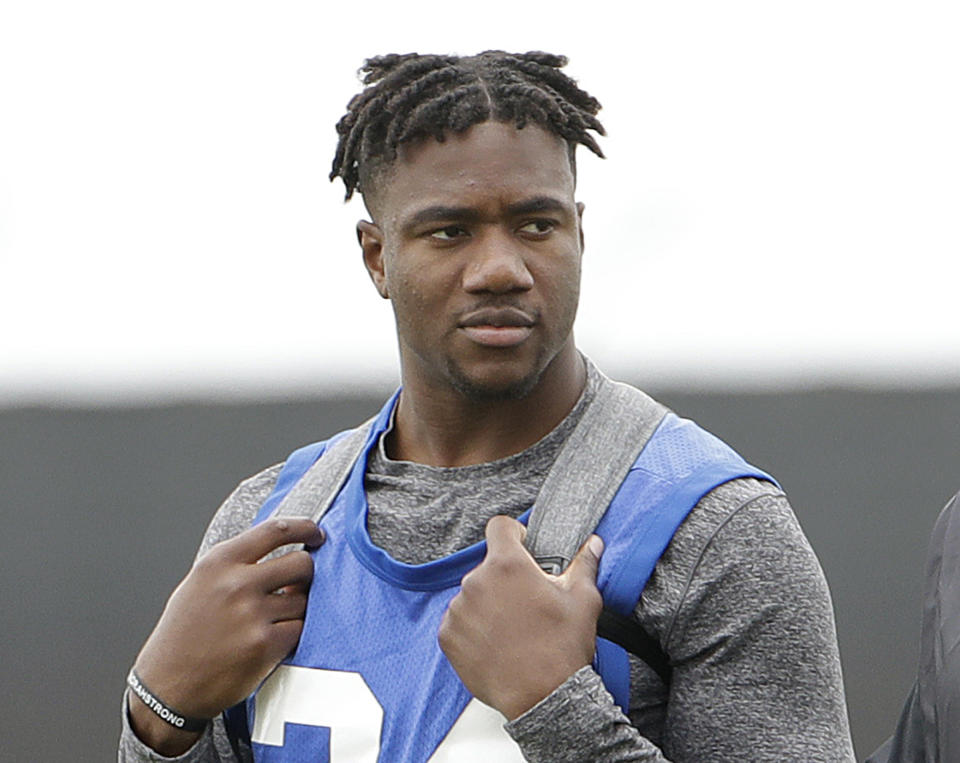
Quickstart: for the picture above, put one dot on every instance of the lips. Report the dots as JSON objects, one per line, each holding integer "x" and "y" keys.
{"x": 499, "y": 317}
{"x": 498, "y": 327}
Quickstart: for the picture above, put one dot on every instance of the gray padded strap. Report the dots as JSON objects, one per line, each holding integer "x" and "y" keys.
{"x": 317, "y": 489}
{"x": 588, "y": 471}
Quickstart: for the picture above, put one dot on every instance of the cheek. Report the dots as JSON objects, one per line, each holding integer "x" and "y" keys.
{"x": 424, "y": 280}
{"x": 416, "y": 302}
{"x": 566, "y": 298}
{"x": 408, "y": 291}
{"x": 562, "y": 281}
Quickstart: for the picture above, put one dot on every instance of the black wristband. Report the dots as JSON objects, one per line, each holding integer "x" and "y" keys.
{"x": 168, "y": 714}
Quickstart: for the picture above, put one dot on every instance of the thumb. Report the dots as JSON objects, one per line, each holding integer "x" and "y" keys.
{"x": 504, "y": 534}
{"x": 587, "y": 560}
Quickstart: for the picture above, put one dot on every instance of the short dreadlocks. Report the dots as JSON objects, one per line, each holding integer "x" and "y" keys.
{"x": 413, "y": 96}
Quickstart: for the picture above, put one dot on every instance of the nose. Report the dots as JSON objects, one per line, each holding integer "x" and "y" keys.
{"x": 497, "y": 266}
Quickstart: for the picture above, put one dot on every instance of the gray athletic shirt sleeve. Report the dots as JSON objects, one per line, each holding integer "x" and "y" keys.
{"x": 738, "y": 601}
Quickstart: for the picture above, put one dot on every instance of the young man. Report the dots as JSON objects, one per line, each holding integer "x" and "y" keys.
{"x": 430, "y": 633}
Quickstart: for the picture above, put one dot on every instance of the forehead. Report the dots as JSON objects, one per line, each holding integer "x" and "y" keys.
{"x": 489, "y": 163}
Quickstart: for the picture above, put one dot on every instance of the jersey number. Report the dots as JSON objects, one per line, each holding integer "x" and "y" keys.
{"x": 343, "y": 703}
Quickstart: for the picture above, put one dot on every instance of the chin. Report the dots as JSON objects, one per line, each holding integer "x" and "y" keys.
{"x": 494, "y": 387}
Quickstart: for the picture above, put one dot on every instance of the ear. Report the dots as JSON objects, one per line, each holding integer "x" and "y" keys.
{"x": 371, "y": 243}
{"x": 580, "y": 208}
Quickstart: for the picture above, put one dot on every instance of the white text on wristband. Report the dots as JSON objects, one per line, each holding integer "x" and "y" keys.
{"x": 166, "y": 713}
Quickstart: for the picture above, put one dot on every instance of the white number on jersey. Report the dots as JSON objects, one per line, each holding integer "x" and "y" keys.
{"x": 340, "y": 701}
{"x": 477, "y": 737}
{"x": 343, "y": 703}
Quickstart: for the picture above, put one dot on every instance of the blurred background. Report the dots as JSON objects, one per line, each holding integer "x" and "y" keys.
{"x": 772, "y": 249}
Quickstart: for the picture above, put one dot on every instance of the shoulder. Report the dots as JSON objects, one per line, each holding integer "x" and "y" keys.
{"x": 680, "y": 449}
{"x": 740, "y": 549}
{"x": 743, "y": 509}
{"x": 734, "y": 515}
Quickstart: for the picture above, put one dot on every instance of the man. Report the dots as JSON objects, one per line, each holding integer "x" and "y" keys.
{"x": 418, "y": 640}
{"x": 929, "y": 726}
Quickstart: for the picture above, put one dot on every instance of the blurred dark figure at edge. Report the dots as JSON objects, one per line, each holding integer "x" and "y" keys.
{"x": 929, "y": 727}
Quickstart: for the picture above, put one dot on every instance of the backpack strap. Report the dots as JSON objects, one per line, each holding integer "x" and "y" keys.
{"x": 628, "y": 634}
{"x": 578, "y": 489}
{"x": 313, "y": 484}
{"x": 574, "y": 496}
{"x": 311, "y": 480}
{"x": 308, "y": 484}
{"x": 588, "y": 471}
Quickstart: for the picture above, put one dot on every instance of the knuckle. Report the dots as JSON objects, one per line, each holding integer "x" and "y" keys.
{"x": 212, "y": 558}
{"x": 443, "y": 633}
{"x": 278, "y": 527}
{"x": 258, "y": 646}
{"x": 454, "y": 607}
{"x": 499, "y": 520}
{"x": 290, "y": 638}
{"x": 447, "y": 633}
{"x": 299, "y": 608}
{"x": 290, "y": 595}
{"x": 242, "y": 608}
{"x": 303, "y": 562}
{"x": 581, "y": 586}
{"x": 233, "y": 590}
{"x": 503, "y": 565}
{"x": 470, "y": 584}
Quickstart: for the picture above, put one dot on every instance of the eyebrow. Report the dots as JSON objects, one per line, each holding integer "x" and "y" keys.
{"x": 537, "y": 204}
{"x": 438, "y": 213}
{"x": 441, "y": 212}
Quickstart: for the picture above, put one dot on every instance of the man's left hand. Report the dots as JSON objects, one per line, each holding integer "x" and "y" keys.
{"x": 514, "y": 633}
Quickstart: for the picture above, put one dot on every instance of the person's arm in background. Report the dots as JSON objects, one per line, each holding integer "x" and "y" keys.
{"x": 929, "y": 725}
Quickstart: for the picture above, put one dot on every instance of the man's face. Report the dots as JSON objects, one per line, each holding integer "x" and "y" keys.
{"x": 478, "y": 243}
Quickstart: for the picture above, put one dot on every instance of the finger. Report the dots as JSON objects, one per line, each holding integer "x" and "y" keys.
{"x": 284, "y": 637}
{"x": 587, "y": 561}
{"x": 303, "y": 588}
{"x": 255, "y": 543}
{"x": 287, "y": 606}
{"x": 293, "y": 569}
{"x": 312, "y": 546}
{"x": 505, "y": 535}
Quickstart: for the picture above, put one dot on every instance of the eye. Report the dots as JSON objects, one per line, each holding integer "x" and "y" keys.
{"x": 537, "y": 227}
{"x": 448, "y": 233}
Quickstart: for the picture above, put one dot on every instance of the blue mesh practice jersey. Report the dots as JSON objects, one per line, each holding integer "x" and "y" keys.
{"x": 368, "y": 681}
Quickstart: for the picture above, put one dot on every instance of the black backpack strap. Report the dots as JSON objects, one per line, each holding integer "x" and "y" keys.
{"x": 575, "y": 495}
{"x": 629, "y": 634}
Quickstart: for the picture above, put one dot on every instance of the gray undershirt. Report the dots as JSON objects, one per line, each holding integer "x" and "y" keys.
{"x": 419, "y": 513}
{"x": 737, "y": 601}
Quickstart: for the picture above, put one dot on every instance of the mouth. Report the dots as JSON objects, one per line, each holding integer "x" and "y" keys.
{"x": 498, "y": 327}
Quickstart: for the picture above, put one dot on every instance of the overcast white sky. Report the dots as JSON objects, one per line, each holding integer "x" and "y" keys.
{"x": 779, "y": 203}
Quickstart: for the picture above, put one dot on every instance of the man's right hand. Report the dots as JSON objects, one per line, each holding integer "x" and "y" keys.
{"x": 224, "y": 628}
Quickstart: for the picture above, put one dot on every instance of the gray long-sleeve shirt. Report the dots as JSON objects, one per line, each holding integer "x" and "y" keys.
{"x": 738, "y": 602}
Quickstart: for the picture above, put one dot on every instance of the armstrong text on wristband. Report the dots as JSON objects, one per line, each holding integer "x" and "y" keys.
{"x": 168, "y": 714}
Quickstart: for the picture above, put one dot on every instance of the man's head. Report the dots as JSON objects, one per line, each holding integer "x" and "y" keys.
{"x": 476, "y": 236}
{"x": 414, "y": 96}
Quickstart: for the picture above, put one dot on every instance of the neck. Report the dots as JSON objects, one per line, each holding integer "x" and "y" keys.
{"x": 442, "y": 427}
